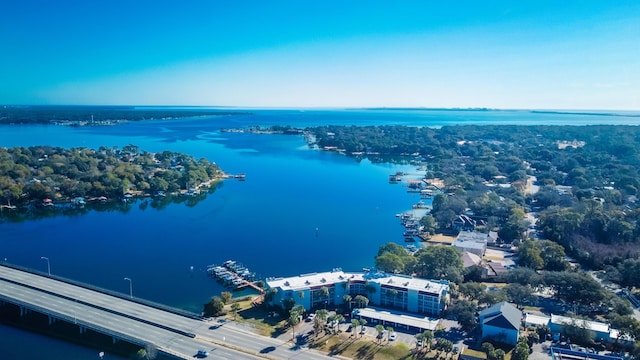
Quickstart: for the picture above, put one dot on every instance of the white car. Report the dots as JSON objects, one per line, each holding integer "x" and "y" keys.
{"x": 363, "y": 330}
{"x": 392, "y": 336}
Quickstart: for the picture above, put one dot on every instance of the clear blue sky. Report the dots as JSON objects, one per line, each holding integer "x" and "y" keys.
{"x": 499, "y": 54}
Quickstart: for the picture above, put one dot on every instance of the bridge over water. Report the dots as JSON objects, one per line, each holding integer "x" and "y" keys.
{"x": 170, "y": 331}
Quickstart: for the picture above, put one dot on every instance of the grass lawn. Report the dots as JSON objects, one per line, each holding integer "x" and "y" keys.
{"x": 365, "y": 347}
{"x": 258, "y": 317}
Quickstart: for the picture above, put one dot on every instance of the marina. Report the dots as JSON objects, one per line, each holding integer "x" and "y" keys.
{"x": 234, "y": 275}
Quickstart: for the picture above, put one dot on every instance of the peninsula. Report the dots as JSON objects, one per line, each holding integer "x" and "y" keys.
{"x": 42, "y": 175}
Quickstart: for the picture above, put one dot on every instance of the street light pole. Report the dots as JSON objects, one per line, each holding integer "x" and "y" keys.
{"x": 130, "y": 287}
{"x": 48, "y": 264}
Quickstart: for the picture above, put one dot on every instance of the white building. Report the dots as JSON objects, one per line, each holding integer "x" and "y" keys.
{"x": 399, "y": 292}
{"x": 471, "y": 241}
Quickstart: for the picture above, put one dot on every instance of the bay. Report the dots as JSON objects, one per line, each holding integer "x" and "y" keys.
{"x": 267, "y": 222}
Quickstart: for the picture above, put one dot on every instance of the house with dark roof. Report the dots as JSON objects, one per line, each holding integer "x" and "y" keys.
{"x": 501, "y": 323}
{"x": 464, "y": 223}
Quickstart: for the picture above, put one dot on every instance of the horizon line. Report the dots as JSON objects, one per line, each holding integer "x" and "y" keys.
{"x": 239, "y": 107}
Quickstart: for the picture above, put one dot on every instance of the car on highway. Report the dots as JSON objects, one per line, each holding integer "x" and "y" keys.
{"x": 202, "y": 353}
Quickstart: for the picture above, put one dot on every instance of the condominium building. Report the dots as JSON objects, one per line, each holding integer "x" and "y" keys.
{"x": 400, "y": 292}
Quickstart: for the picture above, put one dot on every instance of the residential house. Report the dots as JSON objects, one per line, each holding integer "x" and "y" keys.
{"x": 501, "y": 323}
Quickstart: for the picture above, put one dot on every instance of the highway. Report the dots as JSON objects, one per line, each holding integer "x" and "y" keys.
{"x": 139, "y": 323}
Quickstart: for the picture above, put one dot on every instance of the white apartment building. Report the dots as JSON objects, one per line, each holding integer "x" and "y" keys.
{"x": 327, "y": 289}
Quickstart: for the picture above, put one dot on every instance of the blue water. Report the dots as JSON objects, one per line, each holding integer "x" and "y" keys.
{"x": 267, "y": 222}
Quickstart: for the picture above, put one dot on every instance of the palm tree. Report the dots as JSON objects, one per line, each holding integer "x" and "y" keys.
{"x": 354, "y": 326}
{"x": 295, "y": 314}
{"x": 325, "y": 294}
{"x": 322, "y": 314}
{"x": 363, "y": 322}
{"x": 318, "y": 325}
{"x": 380, "y": 330}
{"x": 346, "y": 299}
{"x": 338, "y": 318}
{"x": 361, "y": 301}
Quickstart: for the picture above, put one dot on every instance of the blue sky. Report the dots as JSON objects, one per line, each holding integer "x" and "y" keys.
{"x": 497, "y": 54}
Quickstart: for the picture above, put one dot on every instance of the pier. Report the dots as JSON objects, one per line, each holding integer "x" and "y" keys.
{"x": 234, "y": 275}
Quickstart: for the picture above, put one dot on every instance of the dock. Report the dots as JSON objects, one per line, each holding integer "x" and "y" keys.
{"x": 234, "y": 275}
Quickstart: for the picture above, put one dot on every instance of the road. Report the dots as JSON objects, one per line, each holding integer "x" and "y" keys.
{"x": 140, "y": 323}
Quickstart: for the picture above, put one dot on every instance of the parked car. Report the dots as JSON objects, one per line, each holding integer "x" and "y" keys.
{"x": 392, "y": 336}
{"x": 311, "y": 317}
{"x": 363, "y": 330}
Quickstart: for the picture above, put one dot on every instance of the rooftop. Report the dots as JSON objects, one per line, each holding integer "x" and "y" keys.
{"x": 472, "y": 236}
{"x": 304, "y": 281}
{"x": 591, "y": 325}
{"x": 503, "y": 315}
{"x": 420, "y": 322}
{"x": 533, "y": 319}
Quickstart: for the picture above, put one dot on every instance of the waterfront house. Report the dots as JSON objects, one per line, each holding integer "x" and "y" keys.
{"x": 501, "y": 322}
{"x": 463, "y": 223}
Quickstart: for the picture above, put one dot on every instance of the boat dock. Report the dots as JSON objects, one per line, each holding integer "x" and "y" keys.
{"x": 234, "y": 275}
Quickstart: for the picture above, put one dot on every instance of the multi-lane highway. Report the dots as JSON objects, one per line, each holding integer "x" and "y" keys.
{"x": 140, "y": 323}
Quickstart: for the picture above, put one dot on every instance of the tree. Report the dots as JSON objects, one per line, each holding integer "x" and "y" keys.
{"x": 515, "y": 226}
{"x": 444, "y": 345}
{"x": 521, "y": 352}
{"x": 226, "y": 297}
{"x": 288, "y": 304}
{"x": 428, "y": 338}
{"x": 419, "y": 339}
{"x": 234, "y": 308}
{"x": 439, "y": 262}
{"x": 361, "y": 301}
{"x": 429, "y": 224}
{"x": 295, "y": 314}
{"x": 389, "y": 331}
{"x": 380, "y": 330}
{"x": 338, "y": 319}
{"x": 324, "y": 291}
{"x": 519, "y": 294}
{"x": 354, "y": 325}
{"x": 389, "y": 262}
{"x": 322, "y": 314}
{"x": 464, "y": 312}
{"x": 213, "y": 307}
{"x": 472, "y": 290}
{"x": 346, "y": 299}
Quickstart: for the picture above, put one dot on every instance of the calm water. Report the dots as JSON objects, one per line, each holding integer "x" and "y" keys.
{"x": 267, "y": 222}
